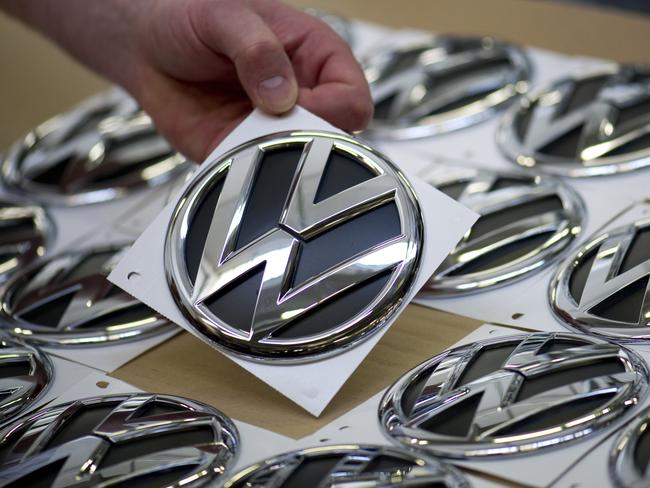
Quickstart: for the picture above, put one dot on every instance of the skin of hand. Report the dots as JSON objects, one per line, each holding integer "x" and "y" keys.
{"x": 199, "y": 66}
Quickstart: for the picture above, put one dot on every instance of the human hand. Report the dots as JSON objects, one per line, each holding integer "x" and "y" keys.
{"x": 200, "y": 64}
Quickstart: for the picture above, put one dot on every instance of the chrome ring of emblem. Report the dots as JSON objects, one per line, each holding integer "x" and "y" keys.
{"x": 26, "y": 232}
{"x": 101, "y": 150}
{"x": 30, "y": 376}
{"x": 90, "y": 459}
{"x": 351, "y": 465}
{"x": 623, "y": 462}
{"x": 338, "y": 24}
{"x": 450, "y": 408}
{"x": 554, "y": 219}
{"x": 609, "y": 274}
{"x": 281, "y": 302}
{"x": 586, "y": 125}
{"x": 442, "y": 85}
{"x": 67, "y": 301}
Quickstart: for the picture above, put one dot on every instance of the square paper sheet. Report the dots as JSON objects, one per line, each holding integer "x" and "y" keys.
{"x": 306, "y": 384}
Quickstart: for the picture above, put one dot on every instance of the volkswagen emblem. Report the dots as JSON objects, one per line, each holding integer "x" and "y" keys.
{"x": 445, "y": 84}
{"x": 103, "y": 149}
{"x": 630, "y": 456}
{"x": 349, "y": 465}
{"x": 119, "y": 440}
{"x": 294, "y": 245}
{"x": 594, "y": 124}
{"x": 525, "y": 223}
{"x": 604, "y": 288}
{"x": 513, "y": 395}
{"x": 66, "y": 301}
{"x": 26, "y": 231}
{"x": 25, "y": 374}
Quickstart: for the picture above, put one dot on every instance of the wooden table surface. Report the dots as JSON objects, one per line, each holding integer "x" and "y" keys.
{"x": 39, "y": 81}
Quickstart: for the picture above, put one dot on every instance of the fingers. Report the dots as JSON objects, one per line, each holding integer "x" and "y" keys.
{"x": 341, "y": 94}
{"x": 332, "y": 84}
{"x": 263, "y": 66}
{"x": 340, "y": 104}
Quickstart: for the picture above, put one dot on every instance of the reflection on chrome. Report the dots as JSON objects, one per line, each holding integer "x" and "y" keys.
{"x": 67, "y": 301}
{"x": 585, "y": 125}
{"x": 593, "y": 311}
{"x": 26, "y": 451}
{"x": 496, "y": 415}
{"x": 482, "y": 254}
{"x": 352, "y": 465}
{"x": 442, "y": 85}
{"x": 101, "y": 150}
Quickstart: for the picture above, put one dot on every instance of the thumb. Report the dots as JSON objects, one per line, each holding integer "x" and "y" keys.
{"x": 263, "y": 66}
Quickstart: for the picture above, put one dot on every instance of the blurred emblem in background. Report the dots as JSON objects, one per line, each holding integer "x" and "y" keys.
{"x": 587, "y": 125}
{"x": 26, "y": 232}
{"x": 526, "y": 222}
{"x": 441, "y": 85}
{"x": 126, "y": 439}
{"x": 103, "y": 149}
{"x": 350, "y": 465}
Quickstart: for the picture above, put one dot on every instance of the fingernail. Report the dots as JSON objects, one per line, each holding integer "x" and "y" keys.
{"x": 277, "y": 94}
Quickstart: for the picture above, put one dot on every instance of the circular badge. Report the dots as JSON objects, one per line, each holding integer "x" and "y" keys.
{"x": 293, "y": 246}
{"x": 363, "y": 466}
{"x": 66, "y": 301}
{"x": 126, "y": 439}
{"x": 442, "y": 85}
{"x": 604, "y": 288}
{"x": 26, "y": 232}
{"x": 525, "y": 223}
{"x": 513, "y": 395}
{"x": 588, "y": 125}
{"x": 101, "y": 150}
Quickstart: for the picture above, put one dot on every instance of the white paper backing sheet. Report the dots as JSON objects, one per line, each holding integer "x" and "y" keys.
{"x": 304, "y": 384}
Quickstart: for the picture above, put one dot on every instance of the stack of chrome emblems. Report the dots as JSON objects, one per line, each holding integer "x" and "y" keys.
{"x": 512, "y": 395}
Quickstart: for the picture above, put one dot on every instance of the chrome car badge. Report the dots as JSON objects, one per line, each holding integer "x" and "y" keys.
{"x": 630, "y": 456}
{"x": 25, "y": 374}
{"x": 338, "y": 24}
{"x": 101, "y": 150}
{"x": 26, "y": 231}
{"x": 67, "y": 301}
{"x": 604, "y": 289}
{"x": 513, "y": 395}
{"x": 588, "y": 125}
{"x": 294, "y": 245}
{"x": 136, "y": 439}
{"x": 441, "y": 85}
{"x": 526, "y": 222}
{"x": 349, "y": 465}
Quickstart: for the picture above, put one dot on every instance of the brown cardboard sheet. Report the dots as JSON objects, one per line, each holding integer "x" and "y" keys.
{"x": 188, "y": 367}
